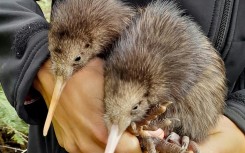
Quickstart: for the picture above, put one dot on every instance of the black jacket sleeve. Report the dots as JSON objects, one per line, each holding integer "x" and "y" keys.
{"x": 235, "y": 108}
{"x": 234, "y": 57}
{"x": 23, "y": 48}
{"x": 233, "y": 53}
{"x": 223, "y": 22}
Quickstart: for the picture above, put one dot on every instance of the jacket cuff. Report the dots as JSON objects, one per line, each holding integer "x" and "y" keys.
{"x": 36, "y": 53}
{"x": 235, "y": 109}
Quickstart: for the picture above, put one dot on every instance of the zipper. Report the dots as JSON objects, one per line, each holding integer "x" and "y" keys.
{"x": 224, "y": 25}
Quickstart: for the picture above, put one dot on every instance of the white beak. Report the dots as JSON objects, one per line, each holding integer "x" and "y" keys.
{"x": 60, "y": 84}
{"x": 113, "y": 139}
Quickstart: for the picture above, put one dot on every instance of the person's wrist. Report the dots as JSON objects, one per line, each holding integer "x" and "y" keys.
{"x": 240, "y": 136}
{"x": 226, "y": 137}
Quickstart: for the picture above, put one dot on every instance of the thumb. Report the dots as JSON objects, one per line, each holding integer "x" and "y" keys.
{"x": 131, "y": 142}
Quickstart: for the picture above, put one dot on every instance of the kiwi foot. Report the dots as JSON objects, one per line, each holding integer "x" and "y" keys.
{"x": 185, "y": 143}
{"x": 152, "y": 114}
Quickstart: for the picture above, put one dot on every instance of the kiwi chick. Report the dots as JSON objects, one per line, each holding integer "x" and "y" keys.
{"x": 164, "y": 57}
{"x": 80, "y": 30}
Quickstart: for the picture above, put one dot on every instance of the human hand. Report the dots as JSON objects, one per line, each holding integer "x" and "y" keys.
{"x": 78, "y": 118}
{"x": 225, "y": 138}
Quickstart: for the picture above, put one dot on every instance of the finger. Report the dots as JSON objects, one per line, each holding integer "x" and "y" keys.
{"x": 227, "y": 139}
{"x": 159, "y": 133}
{"x": 131, "y": 142}
{"x": 194, "y": 147}
{"x": 58, "y": 133}
{"x": 150, "y": 127}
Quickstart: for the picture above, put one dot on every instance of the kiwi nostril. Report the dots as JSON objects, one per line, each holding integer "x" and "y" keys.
{"x": 77, "y": 58}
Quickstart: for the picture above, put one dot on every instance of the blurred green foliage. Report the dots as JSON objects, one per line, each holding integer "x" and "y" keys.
{"x": 46, "y": 7}
{"x": 10, "y": 122}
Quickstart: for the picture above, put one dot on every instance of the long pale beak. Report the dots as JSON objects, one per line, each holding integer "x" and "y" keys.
{"x": 113, "y": 139}
{"x": 60, "y": 84}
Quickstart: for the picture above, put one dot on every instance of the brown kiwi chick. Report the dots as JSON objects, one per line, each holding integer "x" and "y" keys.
{"x": 79, "y": 31}
{"x": 163, "y": 57}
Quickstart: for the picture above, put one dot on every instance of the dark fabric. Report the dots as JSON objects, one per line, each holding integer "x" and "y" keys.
{"x": 235, "y": 108}
{"x": 23, "y": 35}
{"x": 20, "y": 65}
{"x": 23, "y": 48}
{"x": 210, "y": 15}
{"x": 46, "y": 144}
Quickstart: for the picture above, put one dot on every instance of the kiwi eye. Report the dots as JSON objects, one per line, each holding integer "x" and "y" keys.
{"x": 136, "y": 107}
{"x": 86, "y": 46}
{"x": 62, "y": 33}
{"x": 77, "y": 58}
